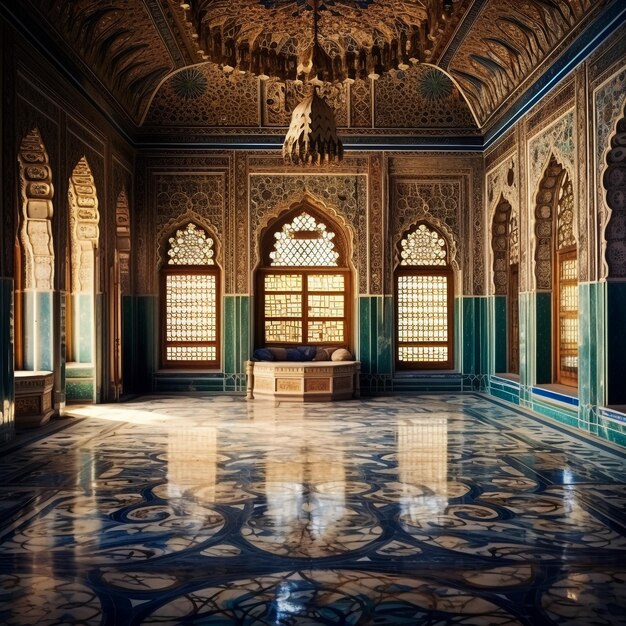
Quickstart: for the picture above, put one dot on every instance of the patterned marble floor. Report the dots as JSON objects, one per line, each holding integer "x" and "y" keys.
{"x": 417, "y": 510}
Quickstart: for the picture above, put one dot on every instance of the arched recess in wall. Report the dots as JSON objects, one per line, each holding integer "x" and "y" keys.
{"x": 556, "y": 274}
{"x": 505, "y": 248}
{"x": 190, "y": 298}
{"x": 614, "y": 181}
{"x": 119, "y": 292}
{"x": 34, "y": 256}
{"x": 80, "y": 308}
{"x": 304, "y": 281}
{"x": 424, "y": 295}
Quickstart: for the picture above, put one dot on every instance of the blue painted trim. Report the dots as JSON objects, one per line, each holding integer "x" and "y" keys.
{"x": 604, "y": 25}
{"x": 553, "y": 395}
{"x": 547, "y": 421}
{"x": 612, "y": 414}
{"x": 463, "y": 144}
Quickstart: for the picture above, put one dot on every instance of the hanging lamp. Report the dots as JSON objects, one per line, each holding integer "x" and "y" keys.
{"x": 312, "y": 135}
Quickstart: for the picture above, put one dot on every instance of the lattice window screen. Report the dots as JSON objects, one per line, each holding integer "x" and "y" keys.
{"x": 304, "y": 242}
{"x": 190, "y": 291}
{"x": 423, "y": 247}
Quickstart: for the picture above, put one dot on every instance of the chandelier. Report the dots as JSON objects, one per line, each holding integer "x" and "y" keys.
{"x": 312, "y": 135}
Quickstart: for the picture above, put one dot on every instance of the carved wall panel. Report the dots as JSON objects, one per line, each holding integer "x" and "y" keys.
{"x": 36, "y": 191}
{"x": 500, "y": 245}
{"x": 343, "y": 194}
{"x": 466, "y": 174}
{"x": 84, "y": 231}
{"x": 437, "y": 202}
{"x": 361, "y": 104}
{"x": 205, "y": 96}
{"x": 420, "y": 97}
{"x": 281, "y": 98}
{"x": 181, "y": 197}
{"x": 123, "y": 240}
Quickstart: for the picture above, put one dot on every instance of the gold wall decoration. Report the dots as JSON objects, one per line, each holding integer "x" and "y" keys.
{"x": 37, "y": 192}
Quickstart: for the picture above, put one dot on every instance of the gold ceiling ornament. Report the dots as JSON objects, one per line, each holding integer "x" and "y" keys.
{"x": 312, "y": 135}
{"x": 359, "y": 39}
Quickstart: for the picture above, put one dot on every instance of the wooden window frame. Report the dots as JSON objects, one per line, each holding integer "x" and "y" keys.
{"x": 304, "y": 272}
{"x": 186, "y": 270}
{"x": 562, "y": 378}
{"x": 513, "y": 313}
{"x": 426, "y": 270}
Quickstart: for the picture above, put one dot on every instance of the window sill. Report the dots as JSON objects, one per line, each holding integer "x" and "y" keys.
{"x": 507, "y": 376}
{"x": 557, "y": 393}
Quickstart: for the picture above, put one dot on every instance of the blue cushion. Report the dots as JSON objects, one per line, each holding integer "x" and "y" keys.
{"x": 307, "y": 353}
{"x": 263, "y": 354}
{"x": 293, "y": 354}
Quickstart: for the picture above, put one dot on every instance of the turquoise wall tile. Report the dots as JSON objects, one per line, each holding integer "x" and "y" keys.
{"x": 236, "y": 339}
{"x": 147, "y": 342}
{"x": 7, "y": 394}
{"x": 543, "y": 338}
{"x": 375, "y": 335}
{"x": 500, "y": 334}
{"x": 616, "y": 344}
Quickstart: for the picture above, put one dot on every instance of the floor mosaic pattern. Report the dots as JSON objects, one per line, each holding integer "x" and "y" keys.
{"x": 433, "y": 510}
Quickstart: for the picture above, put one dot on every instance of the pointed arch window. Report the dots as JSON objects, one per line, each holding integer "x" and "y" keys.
{"x": 566, "y": 287}
{"x": 190, "y": 288}
{"x": 424, "y": 301}
{"x": 304, "y": 283}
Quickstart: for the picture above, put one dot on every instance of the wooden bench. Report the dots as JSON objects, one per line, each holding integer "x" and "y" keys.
{"x": 309, "y": 381}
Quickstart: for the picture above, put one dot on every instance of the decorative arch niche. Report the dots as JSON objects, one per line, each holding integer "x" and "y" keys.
{"x": 304, "y": 281}
{"x": 504, "y": 245}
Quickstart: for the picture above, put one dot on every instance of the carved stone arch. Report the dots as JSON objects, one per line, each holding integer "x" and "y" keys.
{"x": 500, "y": 245}
{"x": 441, "y": 227}
{"x": 123, "y": 238}
{"x": 35, "y": 217}
{"x": 614, "y": 182}
{"x": 180, "y": 222}
{"x": 84, "y": 226}
{"x": 545, "y": 220}
{"x": 319, "y": 209}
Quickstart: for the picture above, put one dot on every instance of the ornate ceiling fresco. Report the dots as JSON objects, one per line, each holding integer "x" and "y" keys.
{"x": 490, "y": 48}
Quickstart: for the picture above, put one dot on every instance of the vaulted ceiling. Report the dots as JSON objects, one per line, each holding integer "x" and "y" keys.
{"x": 136, "y": 49}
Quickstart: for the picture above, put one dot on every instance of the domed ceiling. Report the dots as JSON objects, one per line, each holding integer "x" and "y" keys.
{"x": 223, "y": 57}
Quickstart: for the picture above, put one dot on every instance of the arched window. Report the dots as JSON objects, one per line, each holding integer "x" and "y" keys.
{"x": 556, "y": 272}
{"x": 190, "y": 288}
{"x": 303, "y": 284}
{"x": 424, "y": 302}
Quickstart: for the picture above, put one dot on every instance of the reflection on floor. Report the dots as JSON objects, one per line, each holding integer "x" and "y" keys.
{"x": 414, "y": 510}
